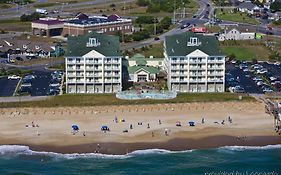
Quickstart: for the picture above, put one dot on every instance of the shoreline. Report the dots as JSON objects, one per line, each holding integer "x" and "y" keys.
{"x": 177, "y": 144}
{"x": 138, "y": 127}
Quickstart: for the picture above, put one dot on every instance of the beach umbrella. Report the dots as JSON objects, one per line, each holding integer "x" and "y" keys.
{"x": 75, "y": 127}
{"x": 191, "y": 123}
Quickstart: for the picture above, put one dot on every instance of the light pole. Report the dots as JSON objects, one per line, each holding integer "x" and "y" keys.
{"x": 155, "y": 20}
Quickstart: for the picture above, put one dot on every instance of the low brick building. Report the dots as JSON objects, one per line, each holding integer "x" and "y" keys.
{"x": 47, "y": 27}
{"x": 83, "y": 24}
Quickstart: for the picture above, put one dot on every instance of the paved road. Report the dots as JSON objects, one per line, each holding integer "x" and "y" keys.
{"x": 27, "y": 9}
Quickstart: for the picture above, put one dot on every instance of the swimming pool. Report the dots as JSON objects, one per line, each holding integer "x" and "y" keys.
{"x": 137, "y": 95}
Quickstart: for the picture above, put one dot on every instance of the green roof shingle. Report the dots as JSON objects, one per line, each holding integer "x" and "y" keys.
{"x": 109, "y": 45}
{"x": 176, "y": 45}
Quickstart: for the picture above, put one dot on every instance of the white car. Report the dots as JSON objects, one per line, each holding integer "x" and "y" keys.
{"x": 277, "y": 63}
{"x": 13, "y": 77}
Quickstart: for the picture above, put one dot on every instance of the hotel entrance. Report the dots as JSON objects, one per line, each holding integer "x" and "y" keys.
{"x": 142, "y": 78}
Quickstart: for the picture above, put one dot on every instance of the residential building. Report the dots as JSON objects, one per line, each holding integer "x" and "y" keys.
{"x": 93, "y": 64}
{"x": 235, "y": 34}
{"x": 84, "y": 24}
{"x": 14, "y": 46}
{"x": 194, "y": 63}
{"x": 141, "y": 69}
{"x": 47, "y": 27}
{"x": 248, "y": 7}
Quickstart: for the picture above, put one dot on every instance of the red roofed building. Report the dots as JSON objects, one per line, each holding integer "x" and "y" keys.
{"x": 47, "y": 27}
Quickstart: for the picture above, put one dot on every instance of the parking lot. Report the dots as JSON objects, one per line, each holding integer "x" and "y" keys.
{"x": 39, "y": 83}
{"x": 7, "y": 86}
{"x": 255, "y": 78}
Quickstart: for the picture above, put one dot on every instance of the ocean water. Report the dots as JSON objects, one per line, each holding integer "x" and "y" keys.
{"x": 234, "y": 160}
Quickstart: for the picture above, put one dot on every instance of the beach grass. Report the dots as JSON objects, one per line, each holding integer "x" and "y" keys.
{"x": 110, "y": 99}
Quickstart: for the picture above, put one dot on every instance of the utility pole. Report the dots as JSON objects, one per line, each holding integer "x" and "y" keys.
{"x": 174, "y": 20}
{"x": 155, "y": 20}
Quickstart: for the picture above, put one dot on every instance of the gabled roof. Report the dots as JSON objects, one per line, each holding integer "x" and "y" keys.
{"x": 176, "y": 45}
{"x": 108, "y": 45}
{"x": 149, "y": 69}
{"x": 246, "y": 5}
{"x": 14, "y": 44}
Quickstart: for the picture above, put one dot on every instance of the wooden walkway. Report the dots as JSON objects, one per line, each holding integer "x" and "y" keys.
{"x": 272, "y": 109}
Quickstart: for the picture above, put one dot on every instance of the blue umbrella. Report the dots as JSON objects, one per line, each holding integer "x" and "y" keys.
{"x": 75, "y": 127}
{"x": 191, "y": 123}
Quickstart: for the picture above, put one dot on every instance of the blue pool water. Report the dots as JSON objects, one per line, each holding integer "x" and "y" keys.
{"x": 134, "y": 95}
{"x": 251, "y": 160}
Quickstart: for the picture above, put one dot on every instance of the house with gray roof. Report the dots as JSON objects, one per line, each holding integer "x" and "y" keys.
{"x": 93, "y": 64}
{"x": 248, "y": 7}
{"x": 194, "y": 63}
{"x": 232, "y": 33}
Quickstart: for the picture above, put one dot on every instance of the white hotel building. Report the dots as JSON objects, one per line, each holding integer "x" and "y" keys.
{"x": 93, "y": 64}
{"x": 193, "y": 63}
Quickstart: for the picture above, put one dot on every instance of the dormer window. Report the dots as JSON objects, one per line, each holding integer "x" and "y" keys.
{"x": 193, "y": 41}
{"x": 93, "y": 42}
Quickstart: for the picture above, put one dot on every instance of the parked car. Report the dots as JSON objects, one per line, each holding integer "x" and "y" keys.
{"x": 25, "y": 89}
{"x": 19, "y": 58}
{"x": 13, "y": 77}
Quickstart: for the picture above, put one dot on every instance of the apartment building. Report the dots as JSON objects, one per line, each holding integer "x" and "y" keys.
{"x": 93, "y": 64}
{"x": 194, "y": 63}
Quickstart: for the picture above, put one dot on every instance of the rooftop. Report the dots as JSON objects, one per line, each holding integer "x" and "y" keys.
{"x": 94, "y": 20}
{"x": 179, "y": 45}
{"x": 106, "y": 45}
{"x": 48, "y": 21}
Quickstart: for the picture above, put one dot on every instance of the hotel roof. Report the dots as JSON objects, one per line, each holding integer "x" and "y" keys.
{"x": 177, "y": 45}
{"x": 108, "y": 45}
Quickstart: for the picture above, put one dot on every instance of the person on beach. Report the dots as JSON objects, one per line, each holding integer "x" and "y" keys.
{"x": 148, "y": 126}
{"x": 131, "y": 126}
{"x": 159, "y": 121}
{"x": 222, "y": 122}
{"x": 152, "y": 134}
{"x": 203, "y": 120}
{"x": 84, "y": 133}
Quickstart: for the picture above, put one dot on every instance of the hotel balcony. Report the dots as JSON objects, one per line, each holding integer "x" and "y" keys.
{"x": 197, "y": 67}
{"x": 215, "y": 67}
{"x": 216, "y": 61}
{"x": 197, "y": 80}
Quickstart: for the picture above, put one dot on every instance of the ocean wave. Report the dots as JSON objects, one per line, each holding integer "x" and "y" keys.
{"x": 242, "y": 148}
{"x": 25, "y": 150}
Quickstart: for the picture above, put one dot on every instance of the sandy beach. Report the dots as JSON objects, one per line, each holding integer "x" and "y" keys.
{"x": 50, "y": 129}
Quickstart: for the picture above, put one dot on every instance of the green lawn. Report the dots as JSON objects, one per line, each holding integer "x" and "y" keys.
{"x": 246, "y": 52}
{"x": 110, "y": 99}
{"x": 236, "y": 17}
{"x": 156, "y": 50}
{"x": 42, "y": 5}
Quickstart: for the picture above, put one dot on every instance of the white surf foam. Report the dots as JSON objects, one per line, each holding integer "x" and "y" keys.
{"x": 242, "y": 148}
{"x": 24, "y": 150}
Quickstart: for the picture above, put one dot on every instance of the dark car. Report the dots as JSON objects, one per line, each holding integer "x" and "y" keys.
{"x": 25, "y": 89}
{"x": 19, "y": 58}
{"x": 156, "y": 38}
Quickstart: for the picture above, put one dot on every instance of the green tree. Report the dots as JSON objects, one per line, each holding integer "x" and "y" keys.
{"x": 166, "y": 22}
{"x": 275, "y": 6}
{"x": 142, "y": 3}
